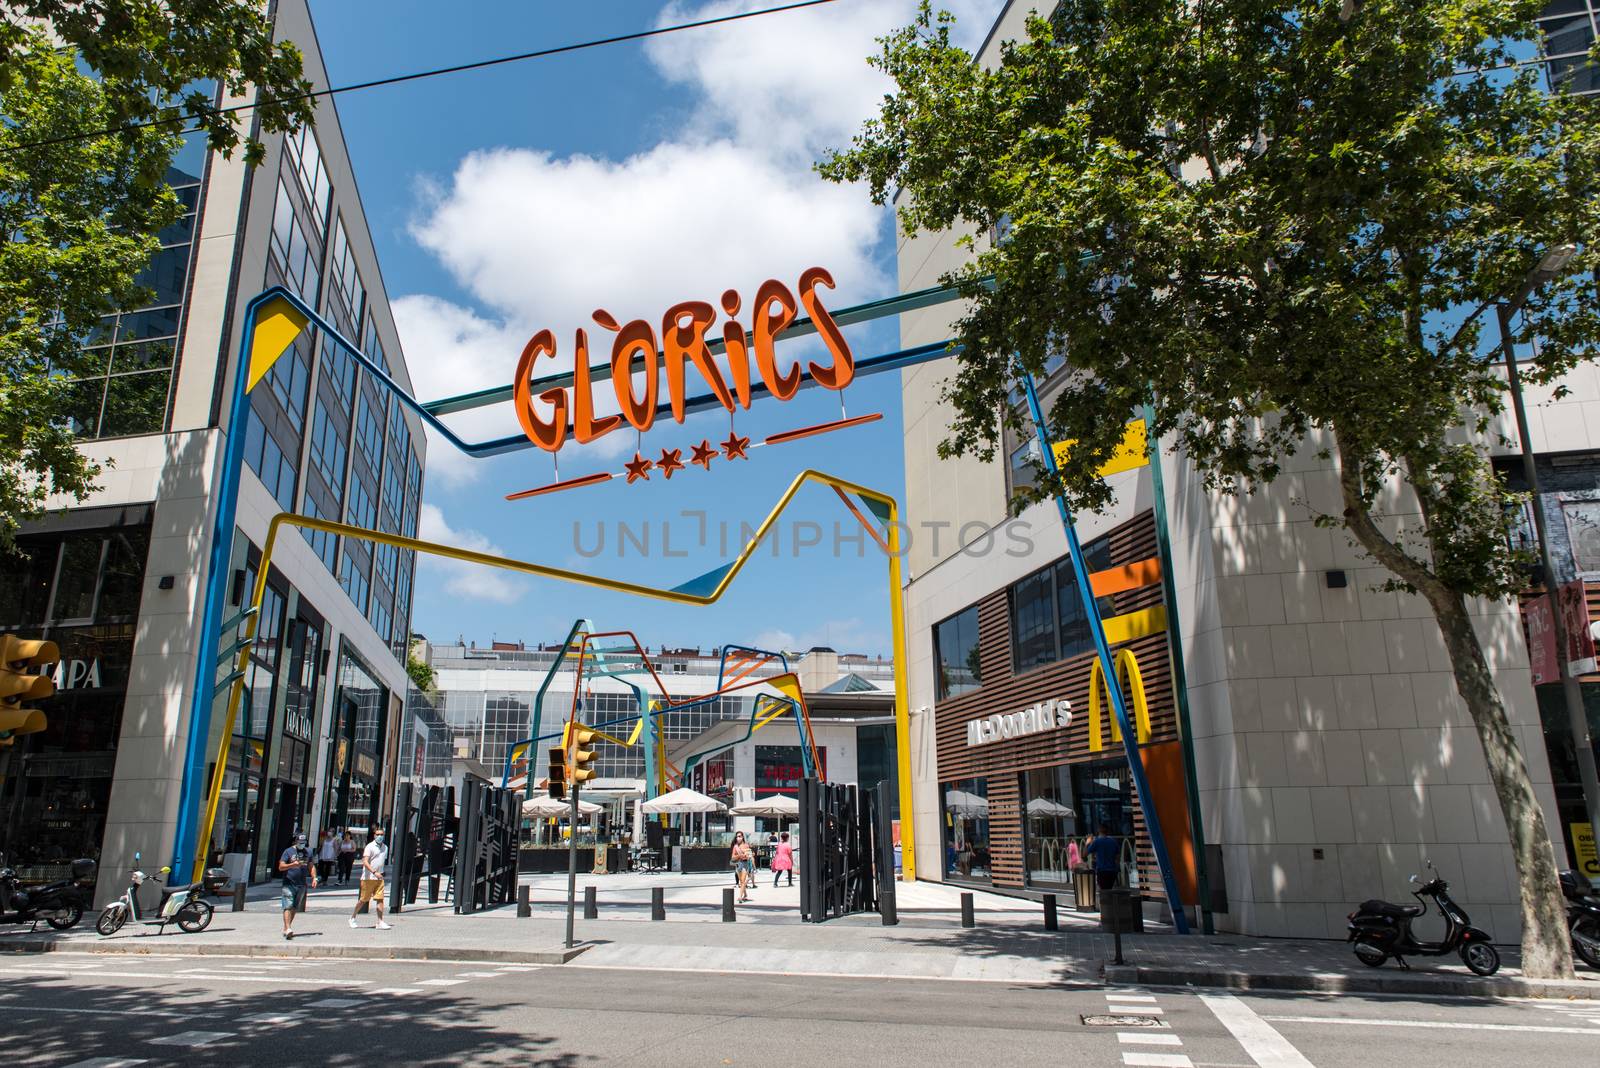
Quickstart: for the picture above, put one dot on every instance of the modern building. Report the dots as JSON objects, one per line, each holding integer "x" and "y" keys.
{"x": 117, "y": 581}
{"x": 1332, "y": 754}
{"x": 485, "y": 699}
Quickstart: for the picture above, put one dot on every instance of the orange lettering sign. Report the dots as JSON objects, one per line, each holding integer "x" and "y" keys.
{"x": 637, "y": 361}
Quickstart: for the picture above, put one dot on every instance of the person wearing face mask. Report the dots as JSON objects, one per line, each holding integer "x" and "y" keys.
{"x": 374, "y": 859}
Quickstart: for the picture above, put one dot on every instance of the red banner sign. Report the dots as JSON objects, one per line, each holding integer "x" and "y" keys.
{"x": 1542, "y": 636}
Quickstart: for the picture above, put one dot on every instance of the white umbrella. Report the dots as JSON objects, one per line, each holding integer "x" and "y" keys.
{"x": 683, "y": 800}
{"x": 964, "y": 804}
{"x": 545, "y": 806}
{"x": 775, "y": 805}
{"x": 1044, "y": 806}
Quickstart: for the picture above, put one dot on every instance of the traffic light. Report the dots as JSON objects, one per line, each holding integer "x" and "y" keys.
{"x": 582, "y": 755}
{"x": 558, "y": 773}
{"x": 20, "y": 658}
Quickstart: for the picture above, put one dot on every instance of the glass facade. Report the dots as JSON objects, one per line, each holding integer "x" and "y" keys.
{"x": 360, "y": 729}
{"x": 81, "y": 590}
{"x": 964, "y": 808}
{"x": 1569, "y": 29}
{"x": 1050, "y": 827}
{"x": 124, "y": 386}
{"x": 955, "y": 647}
{"x": 1048, "y": 621}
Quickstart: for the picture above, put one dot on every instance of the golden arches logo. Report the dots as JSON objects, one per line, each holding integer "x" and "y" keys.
{"x": 1127, "y": 667}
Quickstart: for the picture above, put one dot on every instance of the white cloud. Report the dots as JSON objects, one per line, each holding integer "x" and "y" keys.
{"x": 475, "y": 581}
{"x": 841, "y": 635}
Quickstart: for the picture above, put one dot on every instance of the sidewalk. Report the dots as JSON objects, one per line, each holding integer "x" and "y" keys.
{"x": 1009, "y": 943}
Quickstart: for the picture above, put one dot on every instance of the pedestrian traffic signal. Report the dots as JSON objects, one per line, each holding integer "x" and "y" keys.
{"x": 558, "y": 773}
{"x": 582, "y": 755}
{"x": 21, "y": 682}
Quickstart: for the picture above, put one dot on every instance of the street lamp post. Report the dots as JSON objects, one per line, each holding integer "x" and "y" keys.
{"x": 1547, "y": 269}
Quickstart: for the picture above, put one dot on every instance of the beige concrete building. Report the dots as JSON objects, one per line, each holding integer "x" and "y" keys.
{"x": 1333, "y": 755}
{"x": 118, "y": 581}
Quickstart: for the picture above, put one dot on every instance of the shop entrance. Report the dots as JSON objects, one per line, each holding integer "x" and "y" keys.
{"x": 1104, "y": 794}
{"x": 285, "y": 818}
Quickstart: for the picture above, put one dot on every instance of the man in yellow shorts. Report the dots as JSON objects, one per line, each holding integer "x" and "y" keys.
{"x": 374, "y": 859}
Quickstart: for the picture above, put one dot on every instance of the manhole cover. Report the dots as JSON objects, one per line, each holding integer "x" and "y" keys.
{"x": 1122, "y": 1021}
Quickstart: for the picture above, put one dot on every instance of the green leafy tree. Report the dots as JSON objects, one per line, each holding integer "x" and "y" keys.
{"x": 1267, "y": 220}
{"x": 421, "y": 673}
{"x": 83, "y": 158}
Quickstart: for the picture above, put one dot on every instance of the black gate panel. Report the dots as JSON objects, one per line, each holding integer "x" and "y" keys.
{"x": 486, "y": 847}
{"x": 846, "y": 852}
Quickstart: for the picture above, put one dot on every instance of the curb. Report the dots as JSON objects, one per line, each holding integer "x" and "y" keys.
{"x": 557, "y": 955}
{"x": 1325, "y": 983}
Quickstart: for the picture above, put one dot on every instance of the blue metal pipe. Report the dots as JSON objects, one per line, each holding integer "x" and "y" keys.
{"x": 1130, "y": 737}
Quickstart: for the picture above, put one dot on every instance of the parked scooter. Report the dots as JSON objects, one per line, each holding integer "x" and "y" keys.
{"x": 1583, "y": 916}
{"x": 1381, "y": 930}
{"x": 60, "y": 904}
{"x": 184, "y": 905}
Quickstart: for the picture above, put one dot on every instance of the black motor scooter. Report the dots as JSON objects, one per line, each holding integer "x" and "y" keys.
{"x": 1583, "y": 916}
{"x": 1381, "y": 930}
{"x": 60, "y": 904}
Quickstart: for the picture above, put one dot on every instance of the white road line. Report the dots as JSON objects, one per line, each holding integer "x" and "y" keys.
{"x": 108, "y": 1062}
{"x": 1131, "y": 997}
{"x": 191, "y": 1039}
{"x": 278, "y": 980}
{"x": 1157, "y": 1060}
{"x": 398, "y": 990}
{"x": 272, "y": 1017}
{"x": 172, "y": 1015}
{"x": 475, "y": 975}
{"x": 1264, "y": 1045}
{"x": 1436, "y": 1025}
{"x": 1153, "y": 1038}
{"x": 440, "y": 982}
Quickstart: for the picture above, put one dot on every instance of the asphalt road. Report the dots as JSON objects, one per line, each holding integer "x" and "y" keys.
{"x": 70, "y": 1009}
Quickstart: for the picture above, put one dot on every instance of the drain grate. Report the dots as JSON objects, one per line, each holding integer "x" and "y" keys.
{"x": 1105, "y": 1020}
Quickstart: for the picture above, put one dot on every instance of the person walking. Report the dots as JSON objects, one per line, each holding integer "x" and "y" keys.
{"x": 295, "y": 867}
{"x": 374, "y": 859}
{"x": 327, "y": 853}
{"x": 1105, "y": 853}
{"x": 782, "y": 860}
{"x": 347, "y": 856}
{"x": 743, "y": 864}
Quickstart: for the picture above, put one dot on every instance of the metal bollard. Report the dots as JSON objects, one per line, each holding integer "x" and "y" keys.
{"x": 967, "y": 919}
{"x": 728, "y": 915}
{"x": 433, "y": 889}
{"x": 238, "y": 896}
{"x": 591, "y": 907}
{"x": 524, "y": 902}
{"x": 658, "y": 903}
{"x": 1050, "y": 922}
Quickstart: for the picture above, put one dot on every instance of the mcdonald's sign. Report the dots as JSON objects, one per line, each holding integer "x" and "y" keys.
{"x": 1127, "y": 667}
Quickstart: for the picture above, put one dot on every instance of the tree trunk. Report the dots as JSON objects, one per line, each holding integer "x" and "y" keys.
{"x": 1546, "y": 949}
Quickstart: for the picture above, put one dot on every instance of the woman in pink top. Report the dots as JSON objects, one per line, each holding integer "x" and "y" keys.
{"x": 782, "y": 859}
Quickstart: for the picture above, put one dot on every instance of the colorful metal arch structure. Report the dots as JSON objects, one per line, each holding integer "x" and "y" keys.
{"x": 703, "y": 589}
{"x": 621, "y": 662}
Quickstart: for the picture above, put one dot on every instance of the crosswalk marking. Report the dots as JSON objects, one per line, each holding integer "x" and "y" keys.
{"x": 272, "y": 1017}
{"x": 1157, "y": 1060}
{"x": 108, "y": 1062}
{"x": 398, "y": 990}
{"x": 1142, "y": 998}
{"x": 475, "y": 975}
{"x": 1153, "y": 1038}
{"x": 440, "y": 982}
{"x": 1260, "y": 1040}
{"x": 191, "y": 1039}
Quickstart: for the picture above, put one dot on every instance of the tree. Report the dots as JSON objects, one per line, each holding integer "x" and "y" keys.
{"x": 421, "y": 673}
{"x": 1268, "y": 220}
{"x": 83, "y": 196}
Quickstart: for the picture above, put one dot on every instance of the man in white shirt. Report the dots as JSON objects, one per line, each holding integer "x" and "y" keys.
{"x": 374, "y": 859}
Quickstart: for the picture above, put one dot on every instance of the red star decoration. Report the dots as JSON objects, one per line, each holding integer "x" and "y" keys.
{"x": 638, "y": 468}
{"x": 671, "y": 460}
{"x": 703, "y": 454}
{"x": 733, "y": 447}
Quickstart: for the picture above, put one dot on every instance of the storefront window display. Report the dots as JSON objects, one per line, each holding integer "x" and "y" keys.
{"x": 359, "y": 722}
{"x": 79, "y": 589}
{"x": 1050, "y": 825}
{"x": 966, "y": 829}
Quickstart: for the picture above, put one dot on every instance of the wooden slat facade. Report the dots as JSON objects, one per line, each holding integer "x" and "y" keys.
{"x": 1003, "y": 762}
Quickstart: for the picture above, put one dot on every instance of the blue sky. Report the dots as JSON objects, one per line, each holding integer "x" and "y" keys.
{"x": 627, "y": 177}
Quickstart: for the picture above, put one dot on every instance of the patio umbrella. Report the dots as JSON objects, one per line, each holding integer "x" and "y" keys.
{"x": 962, "y": 803}
{"x": 775, "y": 805}
{"x": 545, "y": 806}
{"x": 1045, "y": 807}
{"x": 683, "y": 800}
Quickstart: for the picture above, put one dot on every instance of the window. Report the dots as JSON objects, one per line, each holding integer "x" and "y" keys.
{"x": 340, "y": 369}
{"x": 1048, "y": 620}
{"x": 955, "y": 643}
{"x": 305, "y": 160}
{"x": 1583, "y": 527}
{"x": 327, "y": 446}
{"x": 360, "y": 510}
{"x": 290, "y": 379}
{"x": 266, "y": 458}
{"x": 965, "y": 804}
{"x": 353, "y": 577}
{"x": 1050, "y": 826}
{"x": 322, "y": 543}
{"x": 292, "y": 252}
{"x": 346, "y": 279}
{"x": 369, "y": 428}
